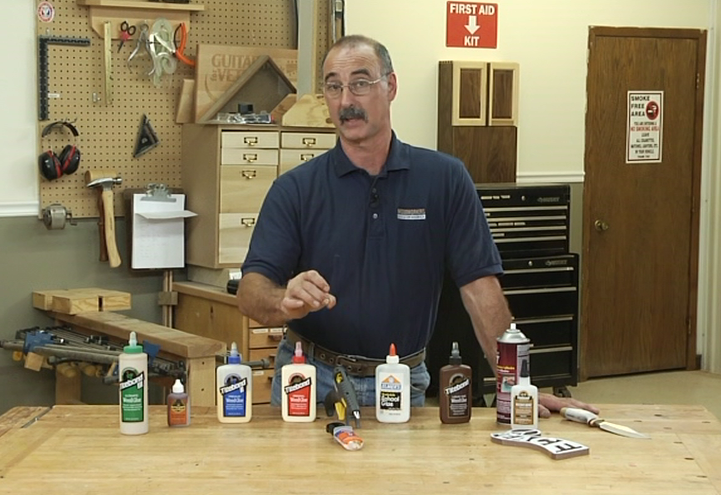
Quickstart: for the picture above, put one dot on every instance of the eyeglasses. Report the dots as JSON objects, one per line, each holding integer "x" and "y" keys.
{"x": 359, "y": 87}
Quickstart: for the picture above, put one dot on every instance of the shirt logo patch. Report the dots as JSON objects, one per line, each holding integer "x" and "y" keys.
{"x": 411, "y": 213}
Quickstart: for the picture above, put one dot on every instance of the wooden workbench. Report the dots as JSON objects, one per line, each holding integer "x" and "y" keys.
{"x": 79, "y": 449}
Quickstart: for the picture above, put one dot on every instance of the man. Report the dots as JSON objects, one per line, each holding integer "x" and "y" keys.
{"x": 350, "y": 248}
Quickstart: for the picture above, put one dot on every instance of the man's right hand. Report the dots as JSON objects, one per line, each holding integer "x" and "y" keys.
{"x": 305, "y": 293}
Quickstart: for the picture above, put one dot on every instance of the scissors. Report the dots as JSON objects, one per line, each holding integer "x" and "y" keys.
{"x": 126, "y": 31}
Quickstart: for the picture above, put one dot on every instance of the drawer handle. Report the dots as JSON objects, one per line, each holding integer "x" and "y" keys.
{"x": 249, "y": 174}
{"x": 247, "y": 222}
{"x": 250, "y": 157}
{"x": 250, "y": 140}
{"x": 304, "y": 157}
{"x": 309, "y": 141}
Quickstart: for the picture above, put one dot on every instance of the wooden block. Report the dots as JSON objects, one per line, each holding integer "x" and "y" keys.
{"x": 309, "y": 111}
{"x": 34, "y": 361}
{"x": 556, "y": 448}
{"x": 43, "y": 299}
{"x": 168, "y": 298}
{"x": 75, "y": 301}
{"x": 184, "y": 111}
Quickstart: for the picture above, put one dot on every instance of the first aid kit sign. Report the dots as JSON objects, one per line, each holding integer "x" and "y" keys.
{"x": 471, "y": 25}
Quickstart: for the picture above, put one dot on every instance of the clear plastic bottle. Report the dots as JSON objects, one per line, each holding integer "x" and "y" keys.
{"x": 298, "y": 389}
{"x": 524, "y": 401}
{"x": 234, "y": 386}
{"x": 178, "y": 406}
{"x": 455, "y": 395}
{"x": 133, "y": 376}
{"x": 393, "y": 390}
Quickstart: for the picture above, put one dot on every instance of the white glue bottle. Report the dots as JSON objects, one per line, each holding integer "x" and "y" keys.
{"x": 524, "y": 401}
{"x": 393, "y": 390}
{"x": 133, "y": 377}
{"x": 298, "y": 389}
{"x": 234, "y": 389}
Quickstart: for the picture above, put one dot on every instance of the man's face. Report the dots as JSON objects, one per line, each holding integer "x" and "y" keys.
{"x": 358, "y": 118}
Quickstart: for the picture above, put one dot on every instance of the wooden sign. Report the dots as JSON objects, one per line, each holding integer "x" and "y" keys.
{"x": 556, "y": 448}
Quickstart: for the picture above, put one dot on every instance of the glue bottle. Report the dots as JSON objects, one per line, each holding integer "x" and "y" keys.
{"x": 234, "y": 386}
{"x": 178, "y": 406}
{"x": 393, "y": 390}
{"x": 133, "y": 376}
{"x": 298, "y": 389}
{"x": 456, "y": 396}
{"x": 524, "y": 401}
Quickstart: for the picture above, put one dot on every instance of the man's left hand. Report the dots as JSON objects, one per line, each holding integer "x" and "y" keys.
{"x": 550, "y": 403}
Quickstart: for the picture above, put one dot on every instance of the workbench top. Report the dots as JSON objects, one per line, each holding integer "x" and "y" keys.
{"x": 79, "y": 449}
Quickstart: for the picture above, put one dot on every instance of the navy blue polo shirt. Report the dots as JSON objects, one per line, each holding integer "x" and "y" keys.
{"x": 382, "y": 243}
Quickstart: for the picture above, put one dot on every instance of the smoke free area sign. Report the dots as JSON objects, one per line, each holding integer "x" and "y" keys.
{"x": 471, "y": 25}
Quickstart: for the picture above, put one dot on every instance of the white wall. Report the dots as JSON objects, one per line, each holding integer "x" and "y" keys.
{"x": 18, "y": 94}
{"x": 548, "y": 39}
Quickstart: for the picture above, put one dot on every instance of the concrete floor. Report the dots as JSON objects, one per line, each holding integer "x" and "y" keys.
{"x": 673, "y": 387}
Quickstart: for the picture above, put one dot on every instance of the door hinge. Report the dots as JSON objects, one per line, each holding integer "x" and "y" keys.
{"x": 698, "y": 80}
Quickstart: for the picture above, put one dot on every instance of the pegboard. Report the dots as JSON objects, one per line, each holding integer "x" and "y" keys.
{"x": 108, "y": 131}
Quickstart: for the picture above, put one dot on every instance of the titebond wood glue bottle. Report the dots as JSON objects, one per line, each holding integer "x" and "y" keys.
{"x": 234, "y": 387}
{"x": 133, "y": 375}
{"x": 298, "y": 389}
{"x": 393, "y": 390}
{"x": 455, "y": 397}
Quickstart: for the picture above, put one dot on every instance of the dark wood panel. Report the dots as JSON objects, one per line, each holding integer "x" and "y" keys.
{"x": 488, "y": 152}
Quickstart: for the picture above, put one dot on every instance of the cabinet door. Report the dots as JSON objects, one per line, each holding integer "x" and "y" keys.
{"x": 469, "y": 93}
{"x": 502, "y": 93}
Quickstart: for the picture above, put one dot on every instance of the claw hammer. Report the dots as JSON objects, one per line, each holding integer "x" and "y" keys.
{"x": 105, "y": 181}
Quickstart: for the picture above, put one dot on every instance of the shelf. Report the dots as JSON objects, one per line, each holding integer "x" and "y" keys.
{"x": 137, "y": 4}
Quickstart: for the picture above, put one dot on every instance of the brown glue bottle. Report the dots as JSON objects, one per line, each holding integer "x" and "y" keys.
{"x": 455, "y": 391}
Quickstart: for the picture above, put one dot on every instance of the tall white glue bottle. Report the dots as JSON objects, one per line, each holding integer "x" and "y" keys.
{"x": 393, "y": 390}
{"x": 524, "y": 401}
{"x": 298, "y": 389}
{"x": 234, "y": 386}
{"x": 133, "y": 377}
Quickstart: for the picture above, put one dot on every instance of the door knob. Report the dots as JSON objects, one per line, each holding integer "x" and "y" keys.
{"x": 600, "y": 225}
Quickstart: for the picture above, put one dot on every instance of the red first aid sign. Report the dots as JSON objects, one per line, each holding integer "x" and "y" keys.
{"x": 472, "y": 25}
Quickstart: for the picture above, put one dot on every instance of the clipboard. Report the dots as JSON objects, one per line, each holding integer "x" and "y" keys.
{"x": 156, "y": 227}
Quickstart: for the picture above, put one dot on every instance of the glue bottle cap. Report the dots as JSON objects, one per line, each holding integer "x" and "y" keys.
{"x": 298, "y": 357}
{"x": 392, "y": 357}
{"x": 234, "y": 357}
{"x": 178, "y": 387}
{"x": 455, "y": 355}
{"x": 133, "y": 347}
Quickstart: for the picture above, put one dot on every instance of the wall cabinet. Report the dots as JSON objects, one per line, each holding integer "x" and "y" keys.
{"x": 477, "y": 117}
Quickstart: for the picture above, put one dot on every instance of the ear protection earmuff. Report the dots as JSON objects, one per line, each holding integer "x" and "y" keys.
{"x": 53, "y": 166}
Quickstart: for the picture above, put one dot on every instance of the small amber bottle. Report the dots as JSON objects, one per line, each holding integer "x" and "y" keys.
{"x": 178, "y": 406}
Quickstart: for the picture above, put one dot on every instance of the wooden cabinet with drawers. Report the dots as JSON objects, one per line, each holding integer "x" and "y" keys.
{"x": 227, "y": 171}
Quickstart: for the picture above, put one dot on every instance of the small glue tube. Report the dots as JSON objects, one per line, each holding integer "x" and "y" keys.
{"x": 345, "y": 435}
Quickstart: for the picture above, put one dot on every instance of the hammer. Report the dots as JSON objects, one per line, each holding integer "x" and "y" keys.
{"x": 106, "y": 181}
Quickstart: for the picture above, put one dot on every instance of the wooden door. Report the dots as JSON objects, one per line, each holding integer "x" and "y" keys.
{"x": 640, "y": 220}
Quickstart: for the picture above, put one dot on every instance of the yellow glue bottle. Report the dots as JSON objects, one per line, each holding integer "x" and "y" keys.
{"x": 524, "y": 402}
{"x": 298, "y": 389}
{"x": 234, "y": 389}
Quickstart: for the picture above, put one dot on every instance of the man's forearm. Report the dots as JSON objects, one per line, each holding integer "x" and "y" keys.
{"x": 259, "y": 298}
{"x": 487, "y": 306}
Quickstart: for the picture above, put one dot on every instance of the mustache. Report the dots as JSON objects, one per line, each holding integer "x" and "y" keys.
{"x": 353, "y": 113}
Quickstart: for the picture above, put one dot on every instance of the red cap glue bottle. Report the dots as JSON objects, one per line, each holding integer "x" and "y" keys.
{"x": 234, "y": 386}
{"x": 133, "y": 376}
{"x": 298, "y": 389}
{"x": 393, "y": 390}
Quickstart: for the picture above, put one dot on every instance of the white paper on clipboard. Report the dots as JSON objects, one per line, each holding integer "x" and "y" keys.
{"x": 159, "y": 231}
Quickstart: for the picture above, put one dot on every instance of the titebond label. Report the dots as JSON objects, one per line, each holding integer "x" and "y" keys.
{"x": 298, "y": 393}
{"x": 234, "y": 393}
{"x": 458, "y": 392}
{"x": 132, "y": 386}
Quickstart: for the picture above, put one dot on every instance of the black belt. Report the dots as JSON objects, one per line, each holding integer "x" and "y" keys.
{"x": 354, "y": 365}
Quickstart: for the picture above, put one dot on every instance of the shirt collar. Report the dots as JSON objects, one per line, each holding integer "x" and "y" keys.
{"x": 398, "y": 158}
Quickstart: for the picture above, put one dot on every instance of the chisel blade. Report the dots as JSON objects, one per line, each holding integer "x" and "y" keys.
{"x": 624, "y": 431}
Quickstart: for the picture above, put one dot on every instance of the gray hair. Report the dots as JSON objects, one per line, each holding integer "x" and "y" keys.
{"x": 356, "y": 40}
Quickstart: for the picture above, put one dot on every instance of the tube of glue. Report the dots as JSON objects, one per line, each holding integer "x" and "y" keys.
{"x": 344, "y": 435}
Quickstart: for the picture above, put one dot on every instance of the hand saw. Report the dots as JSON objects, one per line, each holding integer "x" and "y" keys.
{"x": 591, "y": 419}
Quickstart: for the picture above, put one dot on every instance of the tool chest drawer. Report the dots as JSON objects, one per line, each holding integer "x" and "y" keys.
{"x": 248, "y": 139}
{"x": 292, "y": 158}
{"x": 308, "y": 140}
{"x": 234, "y": 234}
{"x": 264, "y": 337}
{"x": 240, "y": 156}
{"x": 243, "y": 188}
{"x": 262, "y": 386}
